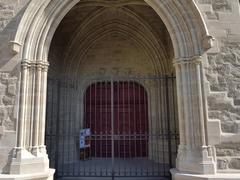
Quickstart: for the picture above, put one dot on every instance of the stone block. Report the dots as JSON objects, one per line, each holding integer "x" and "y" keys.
{"x": 3, "y": 114}
{"x": 222, "y": 164}
{"x": 8, "y": 100}
{"x": 214, "y": 129}
{"x": 2, "y": 89}
{"x": 234, "y": 163}
{"x": 2, "y": 130}
{"x": 11, "y": 89}
{"x": 221, "y": 5}
{"x": 176, "y": 175}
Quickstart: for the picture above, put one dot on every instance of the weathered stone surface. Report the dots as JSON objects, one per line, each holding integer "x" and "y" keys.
{"x": 223, "y": 73}
{"x": 8, "y": 94}
{"x": 12, "y": 90}
{"x": 3, "y": 115}
{"x": 8, "y": 10}
{"x": 234, "y": 163}
{"x": 222, "y": 163}
{"x": 222, "y": 5}
{"x": 2, "y": 130}
{"x": 2, "y": 89}
{"x": 228, "y": 156}
{"x": 228, "y": 150}
{"x": 8, "y": 100}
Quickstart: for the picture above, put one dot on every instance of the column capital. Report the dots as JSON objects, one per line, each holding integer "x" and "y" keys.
{"x": 35, "y": 64}
{"x": 187, "y": 60}
{"x": 25, "y": 64}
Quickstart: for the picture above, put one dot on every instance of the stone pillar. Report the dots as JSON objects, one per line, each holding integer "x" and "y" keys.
{"x": 194, "y": 155}
{"x": 22, "y": 107}
{"x": 37, "y": 98}
{"x": 43, "y": 109}
{"x": 31, "y": 158}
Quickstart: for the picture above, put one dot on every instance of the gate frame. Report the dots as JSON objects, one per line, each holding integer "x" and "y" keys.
{"x": 190, "y": 40}
{"x": 75, "y": 84}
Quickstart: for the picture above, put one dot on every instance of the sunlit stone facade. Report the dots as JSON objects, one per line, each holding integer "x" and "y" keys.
{"x": 198, "y": 41}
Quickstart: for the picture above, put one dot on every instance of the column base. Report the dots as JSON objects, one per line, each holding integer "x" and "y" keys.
{"x": 177, "y": 175}
{"x": 196, "y": 161}
{"x": 197, "y": 167}
{"x": 48, "y": 175}
{"x": 26, "y": 163}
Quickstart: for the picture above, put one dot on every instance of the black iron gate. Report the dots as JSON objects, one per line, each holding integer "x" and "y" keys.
{"x": 133, "y": 124}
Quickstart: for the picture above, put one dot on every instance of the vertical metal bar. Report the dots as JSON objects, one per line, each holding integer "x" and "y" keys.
{"x": 90, "y": 114}
{"x": 75, "y": 126}
{"x": 168, "y": 123}
{"x": 124, "y": 119}
{"x": 101, "y": 118}
{"x": 129, "y": 117}
{"x": 117, "y": 108}
{"x": 155, "y": 125}
{"x": 146, "y": 119}
{"x": 68, "y": 124}
{"x": 140, "y": 118}
{"x": 162, "y": 124}
{"x": 134, "y": 119}
{"x": 112, "y": 122}
{"x": 151, "y": 125}
{"x": 71, "y": 129}
{"x": 106, "y": 119}
{"x": 118, "y": 84}
{"x": 174, "y": 114}
{"x": 64, "y": 122}
{"x": 88, "y": 170}
{"x": 158, "y": 124}
{"x": 140, "y": 153}
{"x": 129, "y": 126}
{"x": 57, "y": 130}
{"x": 95, "y": 120}
{"x": 84, "y": 126}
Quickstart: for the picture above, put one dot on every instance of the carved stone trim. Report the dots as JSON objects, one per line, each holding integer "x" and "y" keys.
{"x": 41, "y": 64}
{"x": 187, "y": 60}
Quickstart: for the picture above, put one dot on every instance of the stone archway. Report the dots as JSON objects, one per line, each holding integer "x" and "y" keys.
{"x": 190, "y": 40}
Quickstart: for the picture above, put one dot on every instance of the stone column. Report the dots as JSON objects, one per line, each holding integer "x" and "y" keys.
{"x": 22, "y": 107}
{"x": 43, "y": 109}
{"x": 194, "y": 155}
{"x": 37, "y": 103}
{"x": 31, "y": 157}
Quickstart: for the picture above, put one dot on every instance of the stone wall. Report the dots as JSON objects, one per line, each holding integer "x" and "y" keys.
{"x": 8, "y": 98}
{"x": 10, "y": 14}
{"x": 8, "y": 116}
{"x": 223, "y": 73}
{"x": 222, "y": 67}
{"x": 10, "y": 10}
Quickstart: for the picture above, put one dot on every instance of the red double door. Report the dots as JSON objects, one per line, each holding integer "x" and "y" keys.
{"x": 127, "y": 109}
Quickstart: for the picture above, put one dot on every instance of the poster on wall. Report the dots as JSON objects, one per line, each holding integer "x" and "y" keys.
{"x": 85, "y": 143}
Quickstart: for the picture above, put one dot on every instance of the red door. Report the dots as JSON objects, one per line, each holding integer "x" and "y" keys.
{"x": 130, "y": 112}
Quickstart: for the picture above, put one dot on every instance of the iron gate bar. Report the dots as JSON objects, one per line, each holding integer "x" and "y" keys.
{"x": 112, "y": 121}
{"x": 168, "y": 124}
{"x": 57, "y": 129}
{"x": 135, "y": 109}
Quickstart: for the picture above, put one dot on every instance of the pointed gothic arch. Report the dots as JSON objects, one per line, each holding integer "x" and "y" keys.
{"x": 190, "y": 40}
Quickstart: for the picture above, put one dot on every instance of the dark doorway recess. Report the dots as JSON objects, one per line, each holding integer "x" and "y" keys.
{"x": 130, "y": 119}
{"x": 133, "y": 123}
